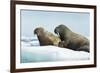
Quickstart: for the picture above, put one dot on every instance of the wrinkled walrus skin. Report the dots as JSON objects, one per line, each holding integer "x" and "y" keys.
{"x": 46, "y": 38}
{"x": 71, "y": 40}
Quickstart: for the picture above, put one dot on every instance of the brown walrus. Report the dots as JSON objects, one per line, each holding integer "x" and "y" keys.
{"x": 71, "y": 40}
{"x": 46, "y": 38}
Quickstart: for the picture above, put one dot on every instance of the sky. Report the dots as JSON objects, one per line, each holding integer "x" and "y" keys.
{"x": 76, "y": 21}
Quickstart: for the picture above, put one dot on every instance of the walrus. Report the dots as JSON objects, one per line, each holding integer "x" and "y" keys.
{"x": 71, "y": 40}
{"x": 46, "y": 38}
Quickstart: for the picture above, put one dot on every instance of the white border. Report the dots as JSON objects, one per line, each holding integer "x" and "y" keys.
{"x": 52, "y": 64}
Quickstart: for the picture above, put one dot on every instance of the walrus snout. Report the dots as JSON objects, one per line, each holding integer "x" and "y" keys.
{"x": 56, "y": 31}
{"x": 59, "y": 28}
{"x": 37, "y": 31}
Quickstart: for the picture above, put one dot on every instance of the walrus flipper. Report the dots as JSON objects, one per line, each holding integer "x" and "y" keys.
{"x": 84, "y": 48}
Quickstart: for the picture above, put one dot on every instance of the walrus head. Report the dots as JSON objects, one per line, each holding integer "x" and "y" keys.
{"x": 61, "y": 30}
{"x": 38, "y": 31}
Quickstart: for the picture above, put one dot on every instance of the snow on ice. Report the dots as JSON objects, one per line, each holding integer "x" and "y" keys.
{"x": 32, "y": 52}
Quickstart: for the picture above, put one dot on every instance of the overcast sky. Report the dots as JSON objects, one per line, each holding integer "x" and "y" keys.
{"x": 77, "y": 22}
